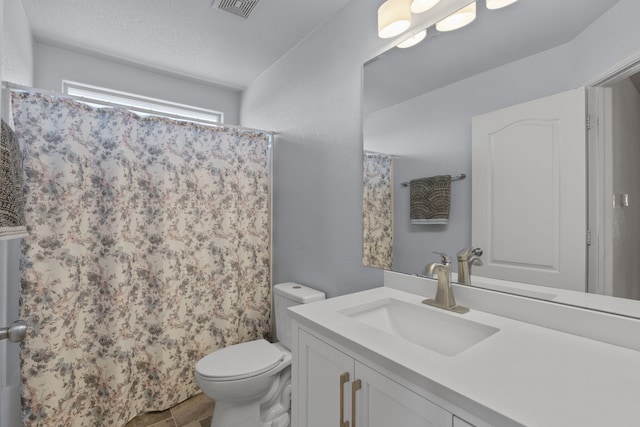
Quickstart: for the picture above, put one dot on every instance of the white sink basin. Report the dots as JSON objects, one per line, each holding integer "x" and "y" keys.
{"x": 446, "y": 333}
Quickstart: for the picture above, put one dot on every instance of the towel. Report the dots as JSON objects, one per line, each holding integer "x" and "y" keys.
{"x": 11, "y": 195}
{"x": 430, "y": 199}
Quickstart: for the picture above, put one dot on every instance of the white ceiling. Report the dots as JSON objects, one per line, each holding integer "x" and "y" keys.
{"x": 495, "y": 38}
{"x": 185, "y": 37}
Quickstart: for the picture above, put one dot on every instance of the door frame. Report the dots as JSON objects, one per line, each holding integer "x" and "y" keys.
{"x": 11, "y": 411}
{"x": 10, "y": 406}
{"x": 600, "y": 173}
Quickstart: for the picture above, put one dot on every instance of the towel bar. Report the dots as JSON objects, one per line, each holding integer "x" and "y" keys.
{"x": 459, "y": 177}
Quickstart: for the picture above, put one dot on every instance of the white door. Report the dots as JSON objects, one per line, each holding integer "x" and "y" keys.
{"x": 529, "y": 191}
{"x": 9, "y": 352}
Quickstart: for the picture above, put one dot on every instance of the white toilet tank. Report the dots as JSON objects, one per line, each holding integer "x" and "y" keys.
{"x": 287, "y": 295}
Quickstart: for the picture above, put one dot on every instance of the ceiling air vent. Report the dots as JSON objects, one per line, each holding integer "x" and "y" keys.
{"x": 241, "y": 8}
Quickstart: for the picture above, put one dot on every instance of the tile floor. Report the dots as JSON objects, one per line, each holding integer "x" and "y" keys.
{"x": 194, "y": 412}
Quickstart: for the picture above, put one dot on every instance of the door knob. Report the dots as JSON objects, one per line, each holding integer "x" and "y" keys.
{"x": 16, "y": 332}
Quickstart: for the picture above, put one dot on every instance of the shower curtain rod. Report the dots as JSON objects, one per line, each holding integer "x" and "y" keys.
{"x": 377, "y": 154}
{"x": 14, "y": 86}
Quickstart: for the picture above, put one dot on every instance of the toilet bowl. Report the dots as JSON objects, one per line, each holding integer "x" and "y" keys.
{"x": 251, "y": 382}
{"x": 252, "y": 392}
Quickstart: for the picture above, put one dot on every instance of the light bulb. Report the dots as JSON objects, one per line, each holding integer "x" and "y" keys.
{"x": 419, "y": 6}
{"x": 394, "y": 17}
{"x": 463, "y": 17}
{"x": 413, "y": 40}
{"x": 497, "y": 4}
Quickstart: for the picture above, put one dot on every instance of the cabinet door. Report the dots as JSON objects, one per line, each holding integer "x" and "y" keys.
{"x": 322, "y": 386}
{"x": 381, "y": 402}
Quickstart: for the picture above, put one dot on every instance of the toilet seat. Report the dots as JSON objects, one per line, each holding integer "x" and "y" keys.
{"x": 240, "y": 361}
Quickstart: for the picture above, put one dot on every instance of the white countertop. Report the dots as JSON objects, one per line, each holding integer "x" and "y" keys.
{"x": 532, "y": 375}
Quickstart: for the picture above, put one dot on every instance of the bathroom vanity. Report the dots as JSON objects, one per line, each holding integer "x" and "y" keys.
{"x": 382, "y": 358}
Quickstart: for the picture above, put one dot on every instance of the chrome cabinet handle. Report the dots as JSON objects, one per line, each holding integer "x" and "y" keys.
{"x": 355, "y": 386}
{"x": 16, "y": 332}
{"x": 344, "y": 378}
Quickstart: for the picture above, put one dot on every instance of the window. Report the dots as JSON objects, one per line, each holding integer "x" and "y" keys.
{"x": 141, "y": 105}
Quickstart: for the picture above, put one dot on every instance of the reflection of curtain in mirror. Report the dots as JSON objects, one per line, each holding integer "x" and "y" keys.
{"x": 377, "y": 207}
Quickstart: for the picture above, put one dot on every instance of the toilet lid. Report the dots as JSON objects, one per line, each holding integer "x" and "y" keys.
{"x": 240, "y": 360}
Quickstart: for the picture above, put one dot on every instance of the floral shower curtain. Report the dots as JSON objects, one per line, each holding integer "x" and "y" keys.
{"x": 377, "y": 207}
{"x": 148, "y": 248}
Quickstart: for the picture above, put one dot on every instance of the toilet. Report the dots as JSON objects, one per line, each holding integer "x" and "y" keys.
{"x": 251, "y": 382}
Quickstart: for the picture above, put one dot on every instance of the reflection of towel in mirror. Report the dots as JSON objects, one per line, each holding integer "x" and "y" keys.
{"x": 430, "y": 199}
{"x": 11, "y": 195}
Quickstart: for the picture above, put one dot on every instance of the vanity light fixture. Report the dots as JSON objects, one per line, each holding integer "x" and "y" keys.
{"x": 497, "y": 4}
{"x": 413, "y": 40}
{"x": 394, "y": 17}
{"x": 419, "y": 6}
{"x": 459, "y": 19}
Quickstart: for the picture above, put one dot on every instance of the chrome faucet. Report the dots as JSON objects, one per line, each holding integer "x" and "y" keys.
{"x": 444, "y": 295}
{"x": 466, "y": 258}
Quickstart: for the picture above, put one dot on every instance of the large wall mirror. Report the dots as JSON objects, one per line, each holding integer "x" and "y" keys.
{"x": 417, "y": 116}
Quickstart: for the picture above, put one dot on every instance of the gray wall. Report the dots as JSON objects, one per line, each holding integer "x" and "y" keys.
{"x": 312, "y": 97}
{"x": 54, "y": 64}
{"x": 17, "y": 44}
